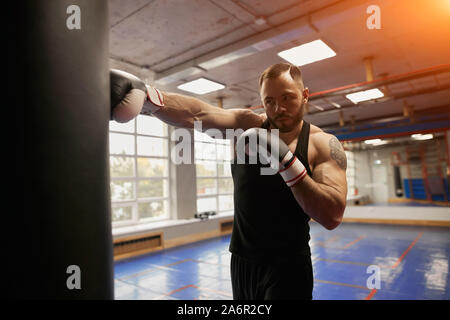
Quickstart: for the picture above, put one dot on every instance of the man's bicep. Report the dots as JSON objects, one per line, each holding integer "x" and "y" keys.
{"x": 329, "y": 173}
{"x": 332, "y": 164}
{"x": 337, "y": 153}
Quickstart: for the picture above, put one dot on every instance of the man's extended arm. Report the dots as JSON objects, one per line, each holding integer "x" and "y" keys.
{"x": 131, "y": 96}
{"x": 181, "y": 111}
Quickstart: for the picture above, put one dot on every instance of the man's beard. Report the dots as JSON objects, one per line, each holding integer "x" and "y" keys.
{"x": 296, "y": 119}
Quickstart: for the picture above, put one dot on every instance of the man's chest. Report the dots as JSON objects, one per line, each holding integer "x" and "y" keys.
{"x": 311, "y": 152}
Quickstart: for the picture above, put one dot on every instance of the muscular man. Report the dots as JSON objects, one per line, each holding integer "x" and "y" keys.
{"x": 271, "y": 257}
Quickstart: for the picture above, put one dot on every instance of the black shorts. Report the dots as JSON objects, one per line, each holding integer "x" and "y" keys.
{"x": 291, "y": 280}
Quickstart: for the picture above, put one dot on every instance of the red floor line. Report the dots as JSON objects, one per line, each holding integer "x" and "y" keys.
{"x": 176, "y": 290}
{"x": 348, "y": 245}
{"x": 153, "y": 269}
{"x": 192, "y": 286}
{"x": 371, "y": 294}
{"x": 332, "y": 239}
{"x": 208, "y": 262}
{"x": 215, "y": 291}
{"x": 326, "y": 242}
{"x": 407, "y": 250}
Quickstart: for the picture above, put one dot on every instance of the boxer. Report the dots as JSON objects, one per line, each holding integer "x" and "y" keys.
{"x": 271, "y": 257}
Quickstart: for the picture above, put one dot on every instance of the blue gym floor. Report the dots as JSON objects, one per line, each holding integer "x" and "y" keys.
{"x": 413, "y": 262}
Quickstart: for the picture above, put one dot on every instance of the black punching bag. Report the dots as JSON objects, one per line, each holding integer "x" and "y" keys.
{"x": 398, "y": 182}
{"x": 60, "y": 246}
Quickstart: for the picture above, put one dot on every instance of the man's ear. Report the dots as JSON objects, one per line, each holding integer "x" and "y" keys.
{"x": 305, "y": 95}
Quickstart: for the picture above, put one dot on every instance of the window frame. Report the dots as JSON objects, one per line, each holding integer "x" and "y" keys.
{"x": 134, "y": 203}
{"x": 217, "y": 176}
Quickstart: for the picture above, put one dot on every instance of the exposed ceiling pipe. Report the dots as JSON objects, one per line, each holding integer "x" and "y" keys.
{"x": 443, "y": 111}
{"x": 339, "y": 91}
{"x": 245, "y": 8}
{"x": 315, "y": 106}
{"x": 334, "y": 104}
{"x": 368, "y": 64}
{"x": 403, "y": 95}
{"x": 220, "y": 102}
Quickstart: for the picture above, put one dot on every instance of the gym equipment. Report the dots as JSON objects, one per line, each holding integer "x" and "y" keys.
{"x": 204, "y": 215}
{"x": 61, "y": 243}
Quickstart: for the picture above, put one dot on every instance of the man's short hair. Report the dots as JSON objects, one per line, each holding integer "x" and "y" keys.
{"x": 274, "y": 71}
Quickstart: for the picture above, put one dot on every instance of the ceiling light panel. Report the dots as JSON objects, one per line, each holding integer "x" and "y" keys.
{"x": 201, "y": 86}
{"x": 364, "y": 95}
{"x": 307, "y": 53}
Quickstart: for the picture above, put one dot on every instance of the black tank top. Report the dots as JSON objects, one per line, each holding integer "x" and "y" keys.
{"x": 268, "y": 222}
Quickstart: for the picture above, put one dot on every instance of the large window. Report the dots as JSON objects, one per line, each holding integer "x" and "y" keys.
{"x": 214, "y": 182}
{"x": 350, "y": 173}
{"x": 139, "y": 165}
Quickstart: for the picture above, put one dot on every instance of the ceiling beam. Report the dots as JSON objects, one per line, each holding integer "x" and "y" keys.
{"x": 402, "y": 95}
{"x": 355, "y": 87}
{"x": 441, "y": 110}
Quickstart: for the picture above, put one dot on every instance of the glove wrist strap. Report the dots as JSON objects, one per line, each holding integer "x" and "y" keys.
{"x": 293, "y": 170}
{"x": 154, "y": 101}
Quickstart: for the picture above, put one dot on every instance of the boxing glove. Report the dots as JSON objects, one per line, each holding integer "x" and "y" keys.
{"x": 131, "y": 96}
{"x": 271, "y": 148}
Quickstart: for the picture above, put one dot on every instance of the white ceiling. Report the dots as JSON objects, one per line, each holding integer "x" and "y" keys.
{"x": 166, "y": 40}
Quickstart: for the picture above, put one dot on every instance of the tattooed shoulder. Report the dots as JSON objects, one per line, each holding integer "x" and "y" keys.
{"x": 337, "y": 153}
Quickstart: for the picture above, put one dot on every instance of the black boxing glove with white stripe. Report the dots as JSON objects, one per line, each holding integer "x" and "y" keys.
{"x": 289, "y": 167}
{"x": 131, "y": 96}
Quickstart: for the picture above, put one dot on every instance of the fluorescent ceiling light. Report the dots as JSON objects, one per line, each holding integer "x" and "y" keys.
{"x": 260, "y": 21}
{"x": 201, "y": 86}
{"x": 365, "y": 95}
{"x": 372, "y": 141}
{"x": 375, "y": 142}
{"x": 307, "y": 53}
{"x": 422, "y": 136}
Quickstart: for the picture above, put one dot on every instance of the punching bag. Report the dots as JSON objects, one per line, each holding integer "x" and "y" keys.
{"x": 61, "y": 243}
{"x": 398, "y": 182}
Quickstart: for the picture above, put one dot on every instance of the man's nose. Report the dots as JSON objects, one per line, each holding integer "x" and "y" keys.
{"x": 279, "y": 106}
